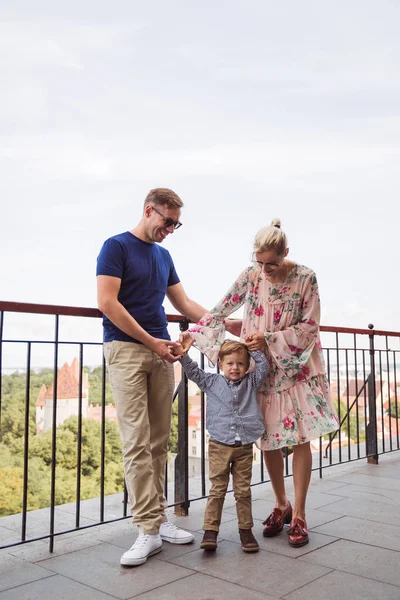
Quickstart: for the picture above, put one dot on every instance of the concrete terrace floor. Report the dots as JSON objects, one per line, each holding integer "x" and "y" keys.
{"x": 354, "y": 550}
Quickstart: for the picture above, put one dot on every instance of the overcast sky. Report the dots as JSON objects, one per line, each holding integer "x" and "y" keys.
{"x": 249, "y": 110}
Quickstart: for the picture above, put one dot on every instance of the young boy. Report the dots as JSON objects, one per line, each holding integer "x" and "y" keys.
{"x": 234, "y": 422}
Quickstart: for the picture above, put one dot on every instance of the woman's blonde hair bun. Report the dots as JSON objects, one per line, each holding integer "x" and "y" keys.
{"x": 271, "y": 238}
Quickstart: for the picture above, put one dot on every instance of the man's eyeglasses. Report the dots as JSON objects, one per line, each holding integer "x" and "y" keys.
{"x": 167, "y": 220}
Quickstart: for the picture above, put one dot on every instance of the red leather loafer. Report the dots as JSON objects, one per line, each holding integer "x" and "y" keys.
{"x": 273, "y": 524}
{"x": 297, "y": 533}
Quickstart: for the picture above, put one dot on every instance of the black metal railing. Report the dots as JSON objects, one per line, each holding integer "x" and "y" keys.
{"x": 361, "y": 367}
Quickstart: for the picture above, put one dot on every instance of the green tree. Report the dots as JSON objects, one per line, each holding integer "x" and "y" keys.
{"x": 350, "y": 420}
{"x": 95, "y": 377}
{"x": 173, "y": 438}
{"x": 394, "y": 409}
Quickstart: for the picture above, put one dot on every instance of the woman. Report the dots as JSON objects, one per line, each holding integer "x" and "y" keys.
{"x": 281, "y": 317}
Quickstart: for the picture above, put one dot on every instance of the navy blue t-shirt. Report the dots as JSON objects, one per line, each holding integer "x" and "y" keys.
{"x": 146, "y": 271}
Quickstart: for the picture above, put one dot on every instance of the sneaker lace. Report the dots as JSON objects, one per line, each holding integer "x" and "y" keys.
{"x": 140, "y": 542}
{"x": 171, "y": 526}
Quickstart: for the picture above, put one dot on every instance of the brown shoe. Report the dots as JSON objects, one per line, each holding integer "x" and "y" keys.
{"x": 248, "y": 541}
{"x": 209, "y": 541}
{"x": 275, "y": 521}
{"x": 298, "y": 535}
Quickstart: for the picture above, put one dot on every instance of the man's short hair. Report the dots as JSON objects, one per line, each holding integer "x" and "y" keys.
{"x": 162, "y": 197}
{"x": 231, "y": 346}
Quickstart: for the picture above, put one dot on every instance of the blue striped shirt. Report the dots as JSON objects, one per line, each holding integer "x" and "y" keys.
{"x": 232, "y": 407}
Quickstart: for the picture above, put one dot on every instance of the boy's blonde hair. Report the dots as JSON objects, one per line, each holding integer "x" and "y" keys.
{"x": 231, "y": 346}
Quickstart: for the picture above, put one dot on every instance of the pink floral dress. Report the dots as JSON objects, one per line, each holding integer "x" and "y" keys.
{"x": 295, "y": 400}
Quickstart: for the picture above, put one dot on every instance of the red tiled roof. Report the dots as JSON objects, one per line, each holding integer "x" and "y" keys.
{"x": 41, "y": 396}
{"x": 195, "y": 416}
{"x": 67, "y": 383}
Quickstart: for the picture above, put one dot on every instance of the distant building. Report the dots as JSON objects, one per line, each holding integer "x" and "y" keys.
{"x": 67, "y": 397}
{"x": 94, "y": 412}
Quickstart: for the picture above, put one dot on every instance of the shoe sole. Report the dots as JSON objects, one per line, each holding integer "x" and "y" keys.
{"x": 208, "y": 546}
{"x": 286, "y": 521}
{"x": 135, "y": 562}
{"x": 298, "y": 544}
{"x": 272, "y": 533}
{"x": 177, "y": 540}
{"x": 248, "y": 550}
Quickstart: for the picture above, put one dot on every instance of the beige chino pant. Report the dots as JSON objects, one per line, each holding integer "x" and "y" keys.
{"x": 223, "y": 460}
{"x": 143, "y": 386}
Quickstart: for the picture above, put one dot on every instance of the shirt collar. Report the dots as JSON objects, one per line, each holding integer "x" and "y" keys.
{"x": 229, "y": 382}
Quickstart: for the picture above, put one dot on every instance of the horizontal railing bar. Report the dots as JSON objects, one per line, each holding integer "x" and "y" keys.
{"x": 76, "y": 311}
{"x": 358, "y": 349}
{"x": 67, "y": 311}
{"x": 53, "y": 342}
{"x": 49, "y": 309}
{"x": 331, "y": 329}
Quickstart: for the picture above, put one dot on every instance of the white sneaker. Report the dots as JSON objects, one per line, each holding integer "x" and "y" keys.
{"x": 172, "y": 534}
{"x": 146, "y": 545}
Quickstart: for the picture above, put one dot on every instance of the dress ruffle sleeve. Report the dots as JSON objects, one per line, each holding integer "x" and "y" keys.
{"x": 209, "y": 333}
{"x": 291, "y": 348}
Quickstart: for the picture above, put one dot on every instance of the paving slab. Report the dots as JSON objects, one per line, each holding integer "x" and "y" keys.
{"x": 360, "y": 559}
{"x": 8, "y": 536}
{"x": 337, "y": 584}
{"x": 38, "y": 522}
{"x": 55, "y": 587}
{"x": 15, "y": 572}
{"x": 371, "y": 480}
{"x": 370, "y": 510}
{"x": 203, "y": 587}
{"x": 98, "y": 567}
{"x": 364, "y": 532}
{"x": 37, "y": 551}
{"x": 90, "y": 509}
{"x": 362, "y": 492}
{"x": 263, "y": 571}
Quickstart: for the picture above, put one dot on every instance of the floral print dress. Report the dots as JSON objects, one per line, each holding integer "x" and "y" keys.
{"x": 295, "y": 400}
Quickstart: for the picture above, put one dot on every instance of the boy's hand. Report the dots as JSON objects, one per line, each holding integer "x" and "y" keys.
{"x": 186, "y": 341}
{"x": 255, "y": 341}
{"x": 178, "y": 350}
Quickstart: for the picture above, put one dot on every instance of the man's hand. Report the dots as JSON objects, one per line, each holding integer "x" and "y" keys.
{"x": 255, "y": 341}
{"x": 164, "y": 349}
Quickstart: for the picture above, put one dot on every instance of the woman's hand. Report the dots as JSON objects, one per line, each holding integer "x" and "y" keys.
{"x": 255, "y": 341}
{"x": 233, "y": 326}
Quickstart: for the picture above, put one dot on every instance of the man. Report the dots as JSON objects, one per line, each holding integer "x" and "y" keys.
{"x": 134, "y": 274}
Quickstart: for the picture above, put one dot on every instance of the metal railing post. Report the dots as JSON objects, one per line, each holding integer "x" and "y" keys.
{"x": 182, "y": 458}
{"x": 371, "y": 433}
